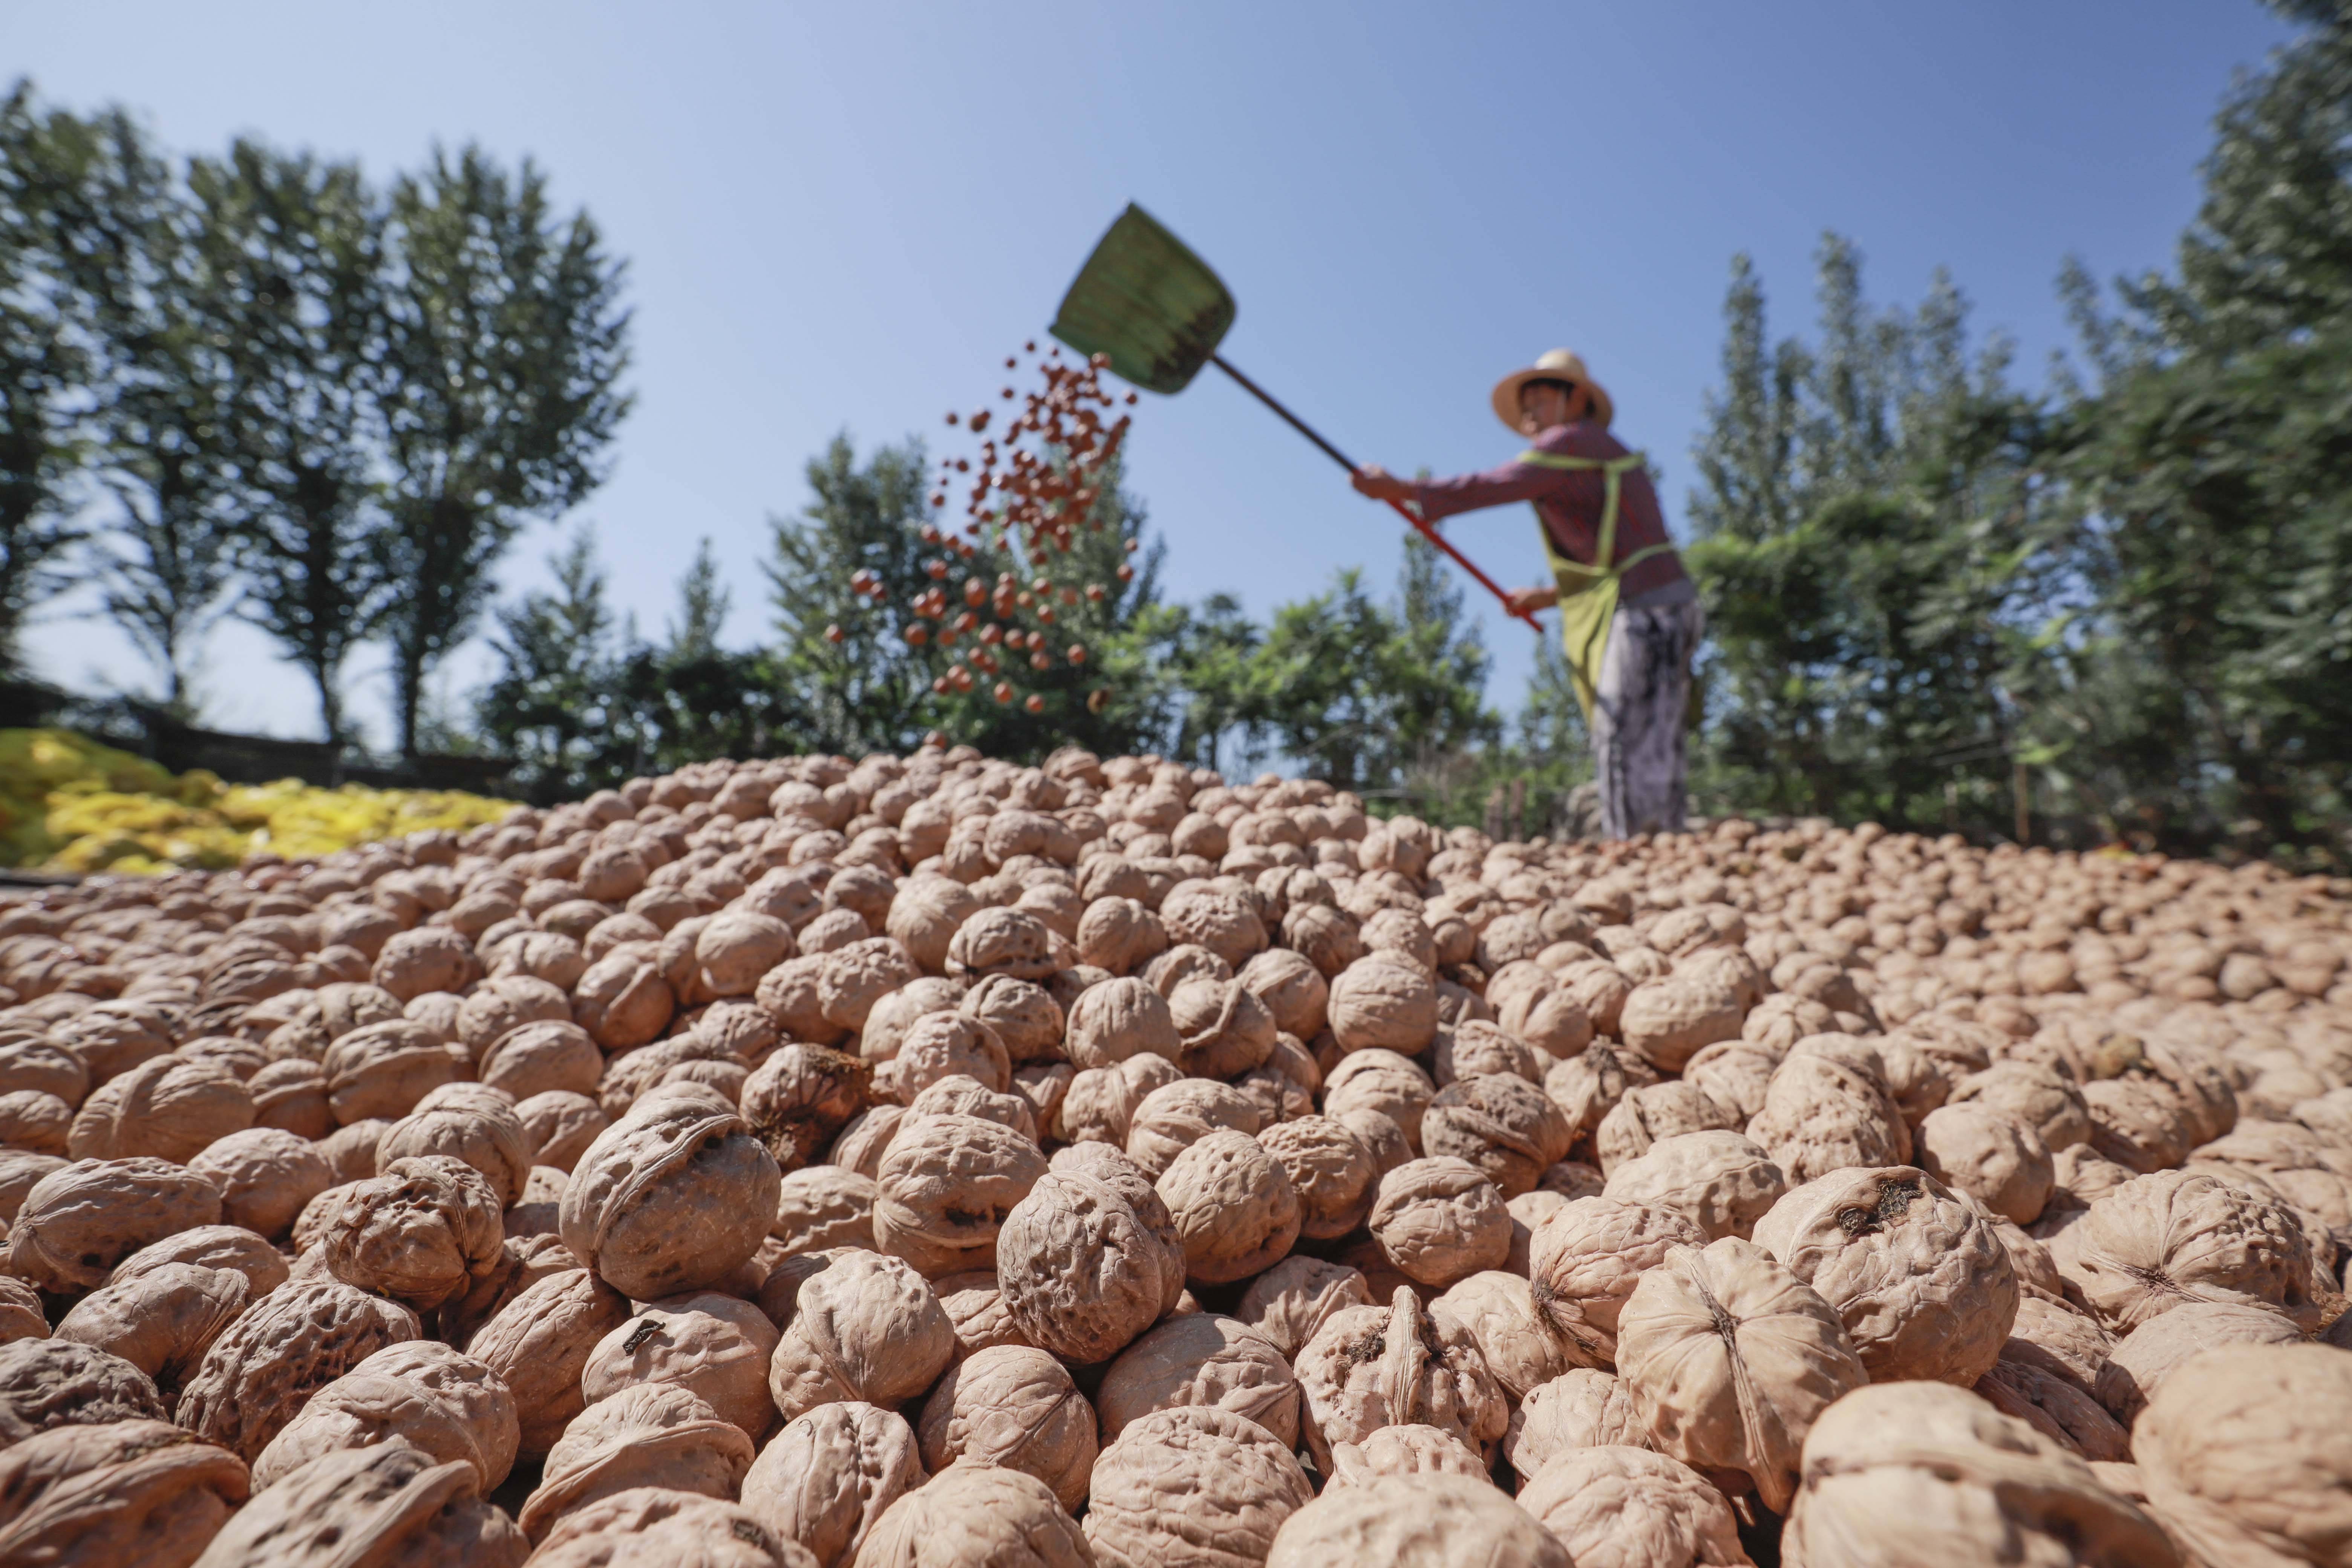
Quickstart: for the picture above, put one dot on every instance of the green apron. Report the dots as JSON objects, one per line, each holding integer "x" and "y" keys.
{"x": 1588, "y": 595}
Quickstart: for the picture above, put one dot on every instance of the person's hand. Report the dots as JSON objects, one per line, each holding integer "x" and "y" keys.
{"x": 1526, "y": 601}
{"x": 1379, "y": 484}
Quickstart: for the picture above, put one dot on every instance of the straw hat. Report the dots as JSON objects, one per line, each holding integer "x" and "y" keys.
{"x": 1555, "y": 365}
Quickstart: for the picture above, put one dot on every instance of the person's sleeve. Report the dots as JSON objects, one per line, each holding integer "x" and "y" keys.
{"x": 1495, "y": 487}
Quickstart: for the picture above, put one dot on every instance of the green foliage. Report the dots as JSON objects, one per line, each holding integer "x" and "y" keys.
{"x": 295, "y": 251}
{"x": 132, "y": 264}
{"x": 43, "y": 366}
{"x": 1869, "y": 529}
{"x": 496, "y": 392}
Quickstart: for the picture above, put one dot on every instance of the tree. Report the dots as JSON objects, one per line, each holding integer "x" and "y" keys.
{"x": 43, "y": 366}
{"x": 2213, "y": 480}
{"x": 1361, "y": 693}
{"x": 702, "y": 601}
{"x": 294, "y": 250}
{"x": 130, "y": 255}
{"x": 549, "y": 704}
{"x": 1874, "y": 548}
{"x": 494, "y": 394}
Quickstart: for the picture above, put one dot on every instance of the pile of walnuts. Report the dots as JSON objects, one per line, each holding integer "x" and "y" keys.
{"x": 930, "y": 1160}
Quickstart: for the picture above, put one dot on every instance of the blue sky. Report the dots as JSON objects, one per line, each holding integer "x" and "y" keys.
{"x": 842, "y": 217}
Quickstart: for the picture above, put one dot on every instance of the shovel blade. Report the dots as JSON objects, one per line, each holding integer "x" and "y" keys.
{"x": 1148, "y": 303}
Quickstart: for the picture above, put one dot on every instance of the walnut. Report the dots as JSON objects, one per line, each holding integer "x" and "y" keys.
{"x": 161, "y": 1321}
{"x": 499, "y": 1006}
{"x": 942, "y": 1045}
{"x": 850, "y": 980}
{"x": 293, "y": 1096}
{"x": 2179, "y": 1235}
{"x": 1581, "y": 1408}
{"x": 429, "y": 958}
{"x": 1383, "y": 1082}
{"x": 1507, "y": 1127}
{"x": 421, "y": 1393}
{"x": 674, "y": 1197}
{"x": 1586, "y": 1259}
{"x": 717, "y": 1347}
{"x": 1024, "y": 1017}
{"x": 541, "y": 1057}
{"x": 1291, "y": 988}
{"x": 2244, "y": 1457}
{"x": 382, "y": 1070}
{"x": 1718, "y": 1180}
{"x": 467, "y": 1122}
{"x": 825, "y": 1207}
{"x": 1652, "y": 1111}
{"x": 1378, "y": 1003}
{"x": 539, "y": 1342}
{"x": 2141, "y": 1361}
{"x": 1729, "y": 1358}
{"x": 48, "y": 1383}
{"x": 945, "y": 1187}
{"x": 925, "y": 915}
{"x": 1224, "y": 1030}
{"x": 1329, "y": 1169}
{"x": 1201, "y": 1358}
{"x": 1118, "y": 1019}
{"x": 830, "y": 1475}
{"x": 1089, "y": 1258}
{"x": 290, "y": 1343}
{"x": 1884, "y": 1461}
{"x": 1292, "y": 1301}
{"x": 1477, "y": 1048}
{"x": 1415, "y": 1521}
{"x": 1439, "y": 1219}
{"x": 1370, "y": 1367}
{"x": 1627, "y": 1507}
{"x": 1823, "y": 1114}
{"x": 2001, "y": 1163}
{"x": 170, "y": 1107}
{"x": 976, "y": 1513}
{"x": 1207, "y": 915}
{"x": 388, "y": 1503}
{"x": 868, "y": 1327}
{"x": 134, "y": 1490}
{"x": 622, "y": 999}
{"x": 558, "y": 1126}
{"x": 801, "y": 1097}
{"x": 1501, "y": 1314}
{"x": 1919, "y": 1277}
{"x": 265, "y": 1175}
{"x": 650, "y": 1435}
{"x": 79, "y": 1221}
{"x": 1234, "y": 1209}
{"x": 210, "y": 1246}
{"x": 1408, "y": 1450}
{"x": 1000, "y": 941}
{"x": 1192, "y": 1484}
{"x": 1014, "y": 1406}
{"x": 1174, "y": 1116}
{"x": 737, "y": 948}
{"x": 887, "y": 1022}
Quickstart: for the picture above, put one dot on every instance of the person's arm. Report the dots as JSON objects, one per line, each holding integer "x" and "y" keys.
{"x": 1466, "y": 492}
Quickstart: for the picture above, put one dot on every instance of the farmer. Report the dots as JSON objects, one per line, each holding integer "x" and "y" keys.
{"x": 1630, "y": 618}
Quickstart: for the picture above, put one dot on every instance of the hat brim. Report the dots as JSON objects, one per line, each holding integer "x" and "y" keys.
{"x": 1506, "y": 396}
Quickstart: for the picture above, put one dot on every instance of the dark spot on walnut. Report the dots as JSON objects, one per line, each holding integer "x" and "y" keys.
{"x": 1893, "y": 1200}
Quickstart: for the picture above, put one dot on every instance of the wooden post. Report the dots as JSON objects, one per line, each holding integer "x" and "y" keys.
{"x": 1519, "y": 806}
{"x": 2020, "y": 786}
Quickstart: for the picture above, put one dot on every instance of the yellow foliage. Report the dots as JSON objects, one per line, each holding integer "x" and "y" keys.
{"x": 68, "y": 804}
